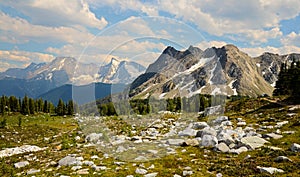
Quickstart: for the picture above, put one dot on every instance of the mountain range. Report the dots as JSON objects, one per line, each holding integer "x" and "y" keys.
{"x": 226, "y": 70}
{"x": 38, "y": 80}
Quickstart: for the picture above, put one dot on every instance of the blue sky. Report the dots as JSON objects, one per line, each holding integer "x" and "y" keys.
{"x": 94, "y": 31}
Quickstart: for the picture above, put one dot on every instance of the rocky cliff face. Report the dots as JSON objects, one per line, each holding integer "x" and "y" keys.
{"x": 268, "y": 65}
{"x": 226, "y": 70}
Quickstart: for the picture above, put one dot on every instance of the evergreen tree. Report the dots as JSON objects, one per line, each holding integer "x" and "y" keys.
{"x": 45, "y": 107}
{"x": 60, "y": 108}
{"x": 31, "y": 106}
{"x": 70, "y": 108}
{"x": 25, "y": 105}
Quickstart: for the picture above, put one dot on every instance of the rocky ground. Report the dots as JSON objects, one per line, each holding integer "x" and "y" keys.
{"x": 260, "y": 139}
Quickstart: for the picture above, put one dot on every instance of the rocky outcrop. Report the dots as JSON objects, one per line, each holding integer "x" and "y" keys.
{"x": 225, "y": 70}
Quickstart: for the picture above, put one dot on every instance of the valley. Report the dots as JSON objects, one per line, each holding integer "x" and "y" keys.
{"x": 163, "y": 144}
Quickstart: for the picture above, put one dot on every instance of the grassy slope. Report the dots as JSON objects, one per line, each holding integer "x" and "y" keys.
{"x": 204, "y": 162}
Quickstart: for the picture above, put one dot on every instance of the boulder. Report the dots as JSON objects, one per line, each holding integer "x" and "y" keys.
{"x": 219, "y": 120}
{"x": 225, "y": 137}
{"x": 272, "y": 135}
{"x": 175, "y": 142}
{"x": 69, "y": 161}
{"x": 140, "y": 171}
{"x": 209, "y": 141}
{"x": 295, "y": 147}
{"x": 199, "y": 125}
{"x": 270, "y": 170}
{"x": 222, "y": 147}
{"x": 93, "y": 137}
{"x": 282, "y": 159}
{"x": 32, "y": 171}
{"x": 253, "y": 141}
{"x": 209, "y": 131}
{"x": 239, "y": 150}
{"x": 188, "y": 132}
{"x": 21, "y": 164}
{"x": 151, "y": 174}
{"x": 191, "y": 142}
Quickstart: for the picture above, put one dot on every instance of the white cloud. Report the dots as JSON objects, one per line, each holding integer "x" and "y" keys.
{"x": 15, "y": 58}
{"x": 256, "y": 21}
{"x": 291, "y": 39}
{"x": 22, "y": 31}
{"x": 25, "y": 56}
{"x": 256, "y": 51}
{"x": 136, "y": 5}
{"x": 208, "y": 44}
{"x": 51, "y": 13}
{"x": 260, "y": 36}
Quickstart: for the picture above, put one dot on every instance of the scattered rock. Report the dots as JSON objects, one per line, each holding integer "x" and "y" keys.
{"x": 151, "y": 174}
{"x": 140, "y": 171}
{"x": 69, "y": 161}
{"x": 188, "y": 132}
{"x": 219, "y": 120}
{"x": 191, "y": 142}
{"x": 270, "y": 170}
{"x": 209, "y": 131}
{"x": 93, "y": 137}
{"x": 187, "y": 173}
{"x": 272, "y": 135}
{"x": 99, "y": 168}
{"x": 239, "y": 150}
{"x": 241, "y": 124}
{"x": 219, "y": 175}
{"x": 20, "y": 150}
{"x": 222, "y": 147}
{"x": 199, "y": 125}
{"x": 282, "y": 159}
{"x": 75, "y": 168}
{"x": 295, "y": 147}
{"x": 175, "y": 142}
{"x": 209, "y": 141}
{"x": 253, "y": 141}
{"x": 83, "y": 172}
{"x": 21, "y": 164}
{"x": 32, "y": 171}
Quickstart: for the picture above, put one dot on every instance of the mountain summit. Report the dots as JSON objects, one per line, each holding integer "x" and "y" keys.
{"x": 226, "y": 70}
{"x": 120, "y": 71}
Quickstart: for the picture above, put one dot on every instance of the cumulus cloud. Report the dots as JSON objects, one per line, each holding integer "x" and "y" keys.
{"x": 21, "y": 30}
{"x": 15, "y": 58}
{"x": 291, "y": 39}
{"x": 58, "y": 13}
{"x": 208, "y": 44}
{"x": 256, "y": 21}
{"x": 256, "y": 51}
{"x": 136, "y": 5}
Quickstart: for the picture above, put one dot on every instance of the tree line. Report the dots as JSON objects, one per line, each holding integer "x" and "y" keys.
{"x": 27, "y": 106}
{"x": 288, "y": 82}
{"x": 196, "y": 103}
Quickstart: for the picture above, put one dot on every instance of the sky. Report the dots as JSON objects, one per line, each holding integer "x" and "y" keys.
{"x": 94, "y": 31}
